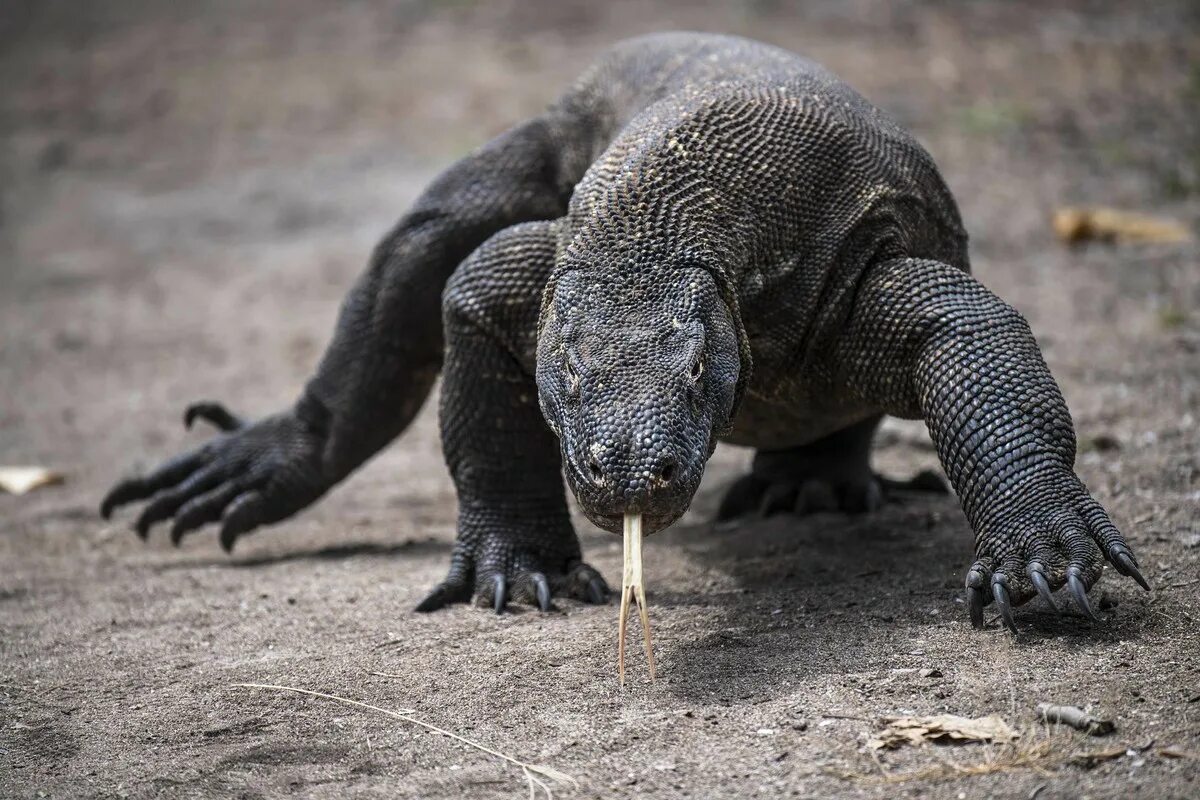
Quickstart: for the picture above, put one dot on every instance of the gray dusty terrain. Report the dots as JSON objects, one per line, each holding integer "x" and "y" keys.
{"x": 186, "y": 190}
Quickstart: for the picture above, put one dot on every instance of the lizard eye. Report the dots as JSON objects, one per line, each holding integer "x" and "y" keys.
{"x": 697, "y": 369}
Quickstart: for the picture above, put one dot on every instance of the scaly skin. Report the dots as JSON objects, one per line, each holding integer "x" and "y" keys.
{"x": 704, "y": 238}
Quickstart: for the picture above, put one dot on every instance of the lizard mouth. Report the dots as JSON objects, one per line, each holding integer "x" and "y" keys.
{"x": 651, "y": 523}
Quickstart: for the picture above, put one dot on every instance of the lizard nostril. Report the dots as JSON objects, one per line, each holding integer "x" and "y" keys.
{"x": 666, "y": 473}
{"x": 595, "y": 469}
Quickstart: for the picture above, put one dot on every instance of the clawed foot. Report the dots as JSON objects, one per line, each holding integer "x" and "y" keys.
{"x": 495, "y": 572}
{"x": 252, "y": 474}
{"x": 1036, "y": 551}
{"x": 757, "y": 494}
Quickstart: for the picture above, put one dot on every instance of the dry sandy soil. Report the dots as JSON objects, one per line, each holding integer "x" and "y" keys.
{"x": 187, "y": 191}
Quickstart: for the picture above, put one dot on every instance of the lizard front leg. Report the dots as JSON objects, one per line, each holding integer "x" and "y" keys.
{"x": 927, "y": 340}
{"x": 515, "y": 538}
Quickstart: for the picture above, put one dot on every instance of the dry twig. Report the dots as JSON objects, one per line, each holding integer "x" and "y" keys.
{"x": 530, "y": 771}
{"x": 1077, "y": 718}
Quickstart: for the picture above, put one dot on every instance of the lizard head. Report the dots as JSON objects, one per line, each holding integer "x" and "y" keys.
{"x": 637, "y": 378}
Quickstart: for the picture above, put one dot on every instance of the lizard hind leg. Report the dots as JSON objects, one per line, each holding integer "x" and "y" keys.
{"x": 831, "y": 474}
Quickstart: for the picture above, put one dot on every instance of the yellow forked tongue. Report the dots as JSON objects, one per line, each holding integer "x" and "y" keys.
{"x": 633, "y": 589}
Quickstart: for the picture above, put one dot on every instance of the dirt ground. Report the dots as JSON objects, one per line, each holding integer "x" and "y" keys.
{"x": 186, "y": 191}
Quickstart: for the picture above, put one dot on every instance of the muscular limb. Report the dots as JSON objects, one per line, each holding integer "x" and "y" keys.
{"x": 927, "y": 340}
{"x": 515, "y": 539}
{"x": 831, "y": 474}
{"x": 385, "y": 354}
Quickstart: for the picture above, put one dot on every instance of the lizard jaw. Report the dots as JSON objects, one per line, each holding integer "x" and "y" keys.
{"x": 633, "y": 589}
{"x": 651, "y": 523}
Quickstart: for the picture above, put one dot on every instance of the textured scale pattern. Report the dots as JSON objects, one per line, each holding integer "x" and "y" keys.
{"x": 705, "y": 238}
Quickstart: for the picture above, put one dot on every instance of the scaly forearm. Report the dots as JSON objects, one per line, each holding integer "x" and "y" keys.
{"x": 927, "y": 340}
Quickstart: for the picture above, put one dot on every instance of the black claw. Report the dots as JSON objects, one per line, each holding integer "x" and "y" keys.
{"x": 243, "y": 515}
{"x": 779, "y": 498}
{"x": 1080, "y": 594}
{"x": 122, "y": 493}
{"x": 742, "y": 497}
{"x": 142, "y": 528}
{"x": 873, "y": 499}
{"x": 214, "y": 413}
{"x": 1043, "y": 586}
{"x": 434, "y": 600}
{"x": 975, "y": 604}
{"x": 542, "y": 586}
{"x": 597, "y": 592}
{"x": 191, "y": 516}
{"x": 498, "y": 593}
{"x": 452, "y": 590}
{"x": 166, "y": 476}
{"x": 815, "y": 496}
{"x": 232, "y": 529}
{"x": 1000, "y": 592}
{"x": 158, "y": 510}
{"x": 1124, "y": 563}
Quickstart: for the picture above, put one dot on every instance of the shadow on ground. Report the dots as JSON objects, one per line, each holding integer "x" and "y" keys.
{"x": 338, "y": 552}
{"x": 862, "y": 582}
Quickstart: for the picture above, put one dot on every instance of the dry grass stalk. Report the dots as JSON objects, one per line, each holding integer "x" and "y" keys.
{"x": 529, "y": 771}
{"x": 1043, "y": 756}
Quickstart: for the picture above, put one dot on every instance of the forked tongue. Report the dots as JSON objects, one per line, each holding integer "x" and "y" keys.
{"x": 633, "y": 590}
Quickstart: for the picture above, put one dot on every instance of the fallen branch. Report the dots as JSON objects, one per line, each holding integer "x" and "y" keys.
{"x": 530, "y": 771}
{"x": 1077, "y": 718}
{"x": 1075, "y": 225}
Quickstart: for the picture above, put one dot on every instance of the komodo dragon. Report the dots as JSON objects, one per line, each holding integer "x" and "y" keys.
{"x": 705, "y": 238}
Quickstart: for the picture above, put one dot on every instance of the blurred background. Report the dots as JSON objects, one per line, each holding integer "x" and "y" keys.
{"x": 187, "y": 189}
{"x": 147, "y": 146}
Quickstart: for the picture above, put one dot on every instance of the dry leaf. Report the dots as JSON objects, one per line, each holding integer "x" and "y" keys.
{"x": 19, "y": 480}
{"x": 1076, "y": 225}
{"x": 942, "y": 728}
